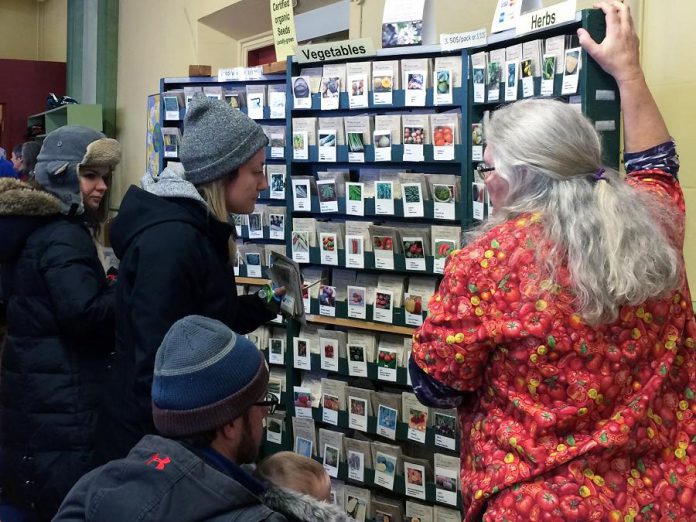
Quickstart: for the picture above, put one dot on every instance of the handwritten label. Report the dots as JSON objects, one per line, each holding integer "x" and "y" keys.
{"x": 454, "y": 41}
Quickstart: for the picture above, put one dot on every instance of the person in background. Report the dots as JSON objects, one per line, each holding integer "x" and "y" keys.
{"x": 6, "y": 168}
{"x": 563, "y": 331}
{"x": 24, "y": 159}
{"x": 60, "y": 319}
{"x": 209, "y": 401}
{"x": 174, "y": 243}
{"x": 16, "y": 157}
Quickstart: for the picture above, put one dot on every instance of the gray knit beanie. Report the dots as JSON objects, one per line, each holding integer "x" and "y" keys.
{"x": 205, "y": 376}
{"x": 217, "y": 140}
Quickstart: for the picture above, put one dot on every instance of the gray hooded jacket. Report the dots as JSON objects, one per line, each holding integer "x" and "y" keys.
{"x": 162, "y": 480}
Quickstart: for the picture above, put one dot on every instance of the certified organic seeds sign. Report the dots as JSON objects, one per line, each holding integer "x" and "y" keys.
{"x": 283, "y": 21}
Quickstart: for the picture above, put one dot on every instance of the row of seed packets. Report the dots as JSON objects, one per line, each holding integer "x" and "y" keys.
{"x": 252, "y": 98}
{"x": 386, "y": 187}
{"x": 335, "y": 396}
{"x": 363, "y": 504}
{"x": 254, "y": 256}
{"x": 413, "y": 131}
{"x": 360, "y": 348}
{"x": 507, "y": 66}
{"x": 356, "y": 291}
{"x": 354, "y": 238}
{"x": 373, "y": 83}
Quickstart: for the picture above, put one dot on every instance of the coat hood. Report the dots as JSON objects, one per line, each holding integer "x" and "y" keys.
{"x": 23, "y": 209}
{"x": 298, "y": 506}
{"x": 171, "y": 183}
{"x": 141, "y": 209}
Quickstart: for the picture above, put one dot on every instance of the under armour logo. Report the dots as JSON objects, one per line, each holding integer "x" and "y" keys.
{"x": 159, "y": 462}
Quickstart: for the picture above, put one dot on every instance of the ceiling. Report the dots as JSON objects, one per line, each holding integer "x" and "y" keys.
{"x": 247, "y": 18}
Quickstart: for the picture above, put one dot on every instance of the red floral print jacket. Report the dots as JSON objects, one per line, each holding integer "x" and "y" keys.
{"x": 560, "y": 420}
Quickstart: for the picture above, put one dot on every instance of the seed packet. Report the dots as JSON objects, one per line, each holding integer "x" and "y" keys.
{"x": 357, "y": 503}
{"x": 446, "y": 478}
{"x": 358, "y": 457}
{"x": 416, "y": 512}
{"x": 416, "y": 416}
{"x": 416, "y": 472}
{"x": 386, "y": 509}
{"x": 305, "y": 436}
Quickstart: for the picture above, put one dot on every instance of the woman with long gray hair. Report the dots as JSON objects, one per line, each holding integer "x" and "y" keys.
{"x": 563, "y": 332}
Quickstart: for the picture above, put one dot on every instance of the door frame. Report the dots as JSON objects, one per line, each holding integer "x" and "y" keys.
{"x": 251, "y": 44}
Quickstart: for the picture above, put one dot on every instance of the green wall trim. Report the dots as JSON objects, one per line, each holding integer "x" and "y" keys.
{"x": 74, "y": 49}
{"x": 107, "y": 62}
{"x": 106, "y": 70}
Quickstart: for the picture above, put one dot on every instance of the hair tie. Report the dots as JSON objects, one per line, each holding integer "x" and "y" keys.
{"x": 599, "y": 175}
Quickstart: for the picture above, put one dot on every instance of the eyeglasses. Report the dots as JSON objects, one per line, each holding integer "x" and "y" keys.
{"x": 484, "y": 170}
{"x": 270, "y": 401}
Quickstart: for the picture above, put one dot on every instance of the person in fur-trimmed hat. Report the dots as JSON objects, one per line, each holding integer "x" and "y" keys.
{"x": 60, "y": 319}
{"x": 209, "y": 398}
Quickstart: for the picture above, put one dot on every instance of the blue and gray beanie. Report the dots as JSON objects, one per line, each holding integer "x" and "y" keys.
{"x": 217, "y": 140}
{"x": 205, "y": 376}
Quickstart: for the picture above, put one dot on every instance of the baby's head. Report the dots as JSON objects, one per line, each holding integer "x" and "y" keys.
{"x": 298, "y": 473}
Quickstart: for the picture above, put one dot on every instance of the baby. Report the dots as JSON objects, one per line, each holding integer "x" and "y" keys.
{"x": 289, "y": 470}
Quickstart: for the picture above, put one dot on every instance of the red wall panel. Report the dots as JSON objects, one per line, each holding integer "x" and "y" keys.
{"x": 24, "y": 85}
{"x": 261, "y": 56}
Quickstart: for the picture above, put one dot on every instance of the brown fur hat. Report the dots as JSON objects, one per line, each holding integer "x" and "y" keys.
{"x": 104, "y": 152}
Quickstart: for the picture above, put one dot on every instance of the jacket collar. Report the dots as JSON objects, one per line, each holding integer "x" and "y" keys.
{"x": 20, "y": 199}
{"x": 226, "y": 466}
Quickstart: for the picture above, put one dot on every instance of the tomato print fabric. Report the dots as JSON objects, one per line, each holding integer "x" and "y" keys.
{"x": 563, "y": 421}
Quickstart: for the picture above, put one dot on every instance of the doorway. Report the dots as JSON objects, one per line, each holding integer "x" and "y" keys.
{"x": 261, "y": 56}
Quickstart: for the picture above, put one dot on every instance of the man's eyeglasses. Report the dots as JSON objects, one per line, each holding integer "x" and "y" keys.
{"x": 484, "y": 170}
{"x": 270, "y": 401}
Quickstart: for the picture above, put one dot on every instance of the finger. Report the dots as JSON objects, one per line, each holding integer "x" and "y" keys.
{"x": 611, "y": 16}
{"x": 622, "y": 21}
{"x": 587, "y": 42}
{"x": 625, "y": 16}
{"x": 608, "y": 4}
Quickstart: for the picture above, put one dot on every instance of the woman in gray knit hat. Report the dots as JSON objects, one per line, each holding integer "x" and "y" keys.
{"x": 174, "y": 242}
{"x": 60, "y": 319}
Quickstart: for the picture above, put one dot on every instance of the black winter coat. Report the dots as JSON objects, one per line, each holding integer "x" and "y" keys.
{"x": 60, "y": 326}
{"x": 174, "y": 262}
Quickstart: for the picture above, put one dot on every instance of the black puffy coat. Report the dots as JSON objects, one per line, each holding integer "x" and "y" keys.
{"x": 174, "y": 262}
{"x": 60, "y": 323}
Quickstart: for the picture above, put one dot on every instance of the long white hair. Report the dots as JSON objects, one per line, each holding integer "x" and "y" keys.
{"x": 614, "y": 239}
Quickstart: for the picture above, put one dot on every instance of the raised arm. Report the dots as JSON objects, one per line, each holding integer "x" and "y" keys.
{"x": 618, "y": 55}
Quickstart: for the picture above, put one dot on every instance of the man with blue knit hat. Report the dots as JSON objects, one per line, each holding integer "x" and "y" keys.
{"x": 209, "y": 401}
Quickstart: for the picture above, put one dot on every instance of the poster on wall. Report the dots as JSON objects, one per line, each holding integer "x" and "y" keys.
{"x": 153, "y": 137}
{"x": 402, "y": 23}
{"x": 508, "y": 12}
